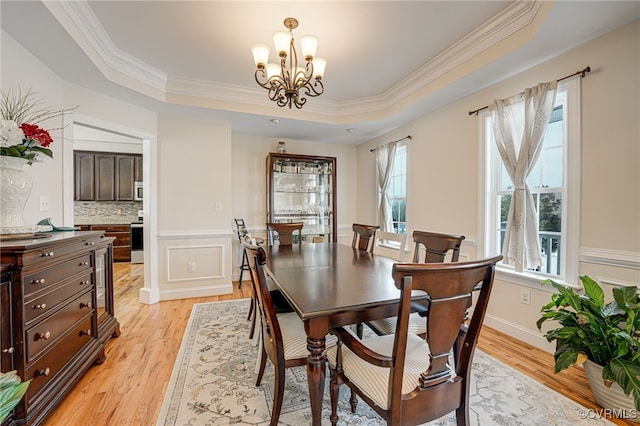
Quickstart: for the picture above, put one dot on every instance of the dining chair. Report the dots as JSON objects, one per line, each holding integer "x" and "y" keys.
{"x": 283, "y": 338}
{"x": 390, "y": 244}
{"x": 405, "y": 378}
{"x": 363, "y": 236}
{"x": 285, "y": 232}
{"x": 241, "y": 230}
{"x": 436, "y": 247}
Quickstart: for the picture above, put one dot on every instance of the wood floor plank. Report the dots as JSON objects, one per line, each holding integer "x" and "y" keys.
{"x": 128, "y": 388}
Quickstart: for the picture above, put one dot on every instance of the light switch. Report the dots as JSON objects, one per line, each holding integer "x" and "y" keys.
{"x": 218, "y": 206}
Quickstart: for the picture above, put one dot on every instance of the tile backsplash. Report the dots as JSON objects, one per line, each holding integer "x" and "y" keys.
{"x": 107, "y": 212}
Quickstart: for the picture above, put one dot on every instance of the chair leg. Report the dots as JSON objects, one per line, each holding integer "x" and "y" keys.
{"x": 334, "y": 392}
{"x": 359, "y": 330}
{"x": 278, "y": 395}
{"x": 353, "y": 400}
{"x": 245, "y": 263}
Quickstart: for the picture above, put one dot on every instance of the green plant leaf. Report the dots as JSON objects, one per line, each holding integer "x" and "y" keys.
{"x": 10, "y": 396}
{"x": 593, "y": 290}
{"x": 565, "y": 359}
{"x": 10, "y": 378}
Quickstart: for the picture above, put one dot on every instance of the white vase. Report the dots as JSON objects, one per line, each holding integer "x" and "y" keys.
{"x": 612, "y": 399}
{"x": 15, "y": 188}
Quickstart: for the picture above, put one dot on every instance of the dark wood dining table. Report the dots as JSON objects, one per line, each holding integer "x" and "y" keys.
{"x": 331, "y": 285}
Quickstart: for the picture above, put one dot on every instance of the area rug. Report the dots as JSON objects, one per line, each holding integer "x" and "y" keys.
{"x": 213, "y": 383}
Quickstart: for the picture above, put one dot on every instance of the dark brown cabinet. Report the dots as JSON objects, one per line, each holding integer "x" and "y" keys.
{"x": 124, "y": 177}
{"x": 103, "y": 176}
{"x": 302, "y": 188}
{"x": 85, "y": 172}
{"x": 138, "y": 169}
{"x": 57, "y": 314}
{"x": 122, "y": 242}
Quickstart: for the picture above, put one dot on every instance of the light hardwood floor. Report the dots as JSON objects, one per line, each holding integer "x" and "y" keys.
{"x": 128, "y": 388}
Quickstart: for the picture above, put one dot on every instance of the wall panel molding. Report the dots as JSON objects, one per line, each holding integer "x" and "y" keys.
{"x": 615, "y": 258}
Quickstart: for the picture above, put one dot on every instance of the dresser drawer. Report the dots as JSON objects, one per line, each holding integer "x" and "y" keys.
{"x": 51, "y": 330}
{"x": 55, "y": 295}
{"x": 45, "y": 278}
{"x": 46, "y": 368}
{"x": 53, "y": 253}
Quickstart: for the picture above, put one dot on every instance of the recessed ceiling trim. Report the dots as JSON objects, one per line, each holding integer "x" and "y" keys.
{"x": 125, "y": 69}
{"x": 95, "y": 36}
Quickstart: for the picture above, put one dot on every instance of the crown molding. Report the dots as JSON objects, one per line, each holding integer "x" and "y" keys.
{"x": 87, "y": 26}
{"x": 125, "y": 69}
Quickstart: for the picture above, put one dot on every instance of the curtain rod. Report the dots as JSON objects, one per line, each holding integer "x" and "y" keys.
{"x": 580, "y": 73}
{"x": 401, "y": 139}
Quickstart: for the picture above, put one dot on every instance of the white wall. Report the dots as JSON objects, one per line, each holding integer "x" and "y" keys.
{"x": 443, "y": 171}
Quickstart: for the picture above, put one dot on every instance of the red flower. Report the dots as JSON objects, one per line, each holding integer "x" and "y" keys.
{"x": 31, "y": 131}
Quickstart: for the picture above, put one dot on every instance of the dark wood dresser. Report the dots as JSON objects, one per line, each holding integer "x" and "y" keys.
{"x": 57, "y": 312}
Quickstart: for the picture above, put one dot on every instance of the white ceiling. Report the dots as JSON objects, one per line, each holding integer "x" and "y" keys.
{"x": 388, "y": 62}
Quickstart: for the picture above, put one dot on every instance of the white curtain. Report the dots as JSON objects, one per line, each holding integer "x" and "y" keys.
{"x": 385, "y": 155}
{"x": 519, "y": 124}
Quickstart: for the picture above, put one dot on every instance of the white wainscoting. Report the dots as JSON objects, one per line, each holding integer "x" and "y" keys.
{"x": 195, "y": 263}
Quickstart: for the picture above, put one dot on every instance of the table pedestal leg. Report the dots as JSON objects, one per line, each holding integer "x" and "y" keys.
{"x": 316, "y": 376}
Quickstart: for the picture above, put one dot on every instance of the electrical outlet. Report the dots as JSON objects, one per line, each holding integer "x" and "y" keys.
{"x": 191, "y": 267}
{"x": 218, "y": 206}
{"x": 44, "y": 203}
{"x": 525, "y": 296}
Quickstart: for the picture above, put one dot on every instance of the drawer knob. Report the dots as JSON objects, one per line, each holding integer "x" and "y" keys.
{"x": 85, "y": 305}
{"x": 84, "y": 263}
{"x": 85, "y": 282}
{"x": 40, "y": 281}
{"x": 8, "y": 350}
{"x": 43, "y": 336}
{"x": 90, "y": 243}
{"x": 44, "y": 372}
{"x": 41, "y": 306}
{"x": 85, "y": 332}
{"x": 49, "y": 254}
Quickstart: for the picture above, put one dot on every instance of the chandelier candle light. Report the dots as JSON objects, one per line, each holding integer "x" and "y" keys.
{"x": 286, "y": 81}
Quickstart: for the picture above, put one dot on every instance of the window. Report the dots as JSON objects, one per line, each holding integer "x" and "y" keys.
{"x": 397, "y": 191}
{"x": 554, "y": 185}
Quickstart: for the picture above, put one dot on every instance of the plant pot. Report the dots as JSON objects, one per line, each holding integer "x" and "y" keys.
{"x": 611, "y": 398}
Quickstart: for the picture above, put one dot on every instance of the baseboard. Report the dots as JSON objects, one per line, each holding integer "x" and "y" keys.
{"x": 518, "y": 332}
{"x": 187, "y": 293}
{"x": 149, "y": 296}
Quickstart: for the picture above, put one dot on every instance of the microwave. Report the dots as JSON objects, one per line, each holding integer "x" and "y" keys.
{"x": 137, "y": 191}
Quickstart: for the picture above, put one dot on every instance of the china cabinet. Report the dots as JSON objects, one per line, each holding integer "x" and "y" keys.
{"x": 302, "y": 188}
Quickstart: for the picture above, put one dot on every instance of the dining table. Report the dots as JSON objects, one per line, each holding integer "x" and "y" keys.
{"x": 330, "y": 285}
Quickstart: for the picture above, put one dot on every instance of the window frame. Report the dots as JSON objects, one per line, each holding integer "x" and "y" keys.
{"x": 571, "y": 202}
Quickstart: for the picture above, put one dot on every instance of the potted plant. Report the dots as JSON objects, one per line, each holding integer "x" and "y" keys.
{"x": 11, "y": 392}
{"x": 605, "y": 337}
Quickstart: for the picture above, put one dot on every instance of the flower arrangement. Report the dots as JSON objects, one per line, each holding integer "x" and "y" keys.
{"x": 20, "y": 135}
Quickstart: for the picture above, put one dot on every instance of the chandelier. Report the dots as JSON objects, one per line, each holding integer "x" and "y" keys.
{"x": 287, "y": 83}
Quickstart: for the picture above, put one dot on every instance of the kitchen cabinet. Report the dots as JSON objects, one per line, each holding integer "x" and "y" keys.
{"x": 61, "y": 292}
{"x": 302, "y": 188}
{"x": 102, "y": 176}
{"x": 105, "y": 177}
{"x": 122, "y": 238}
{"x": 138, "y": 168}
{"x": 124, "y": 177}
{"x": 85, "y": 171}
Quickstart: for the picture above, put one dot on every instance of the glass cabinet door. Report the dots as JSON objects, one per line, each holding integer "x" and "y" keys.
{"x": 302, "y": 189}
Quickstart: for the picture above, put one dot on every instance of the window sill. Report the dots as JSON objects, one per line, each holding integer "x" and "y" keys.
{"x": 528, "y": 279}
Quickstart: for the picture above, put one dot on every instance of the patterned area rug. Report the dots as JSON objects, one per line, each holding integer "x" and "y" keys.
{"x": 213, "y": 383}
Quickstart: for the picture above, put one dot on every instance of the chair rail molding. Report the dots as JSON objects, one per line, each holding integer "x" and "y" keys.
{"x": 616, "y": 258}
